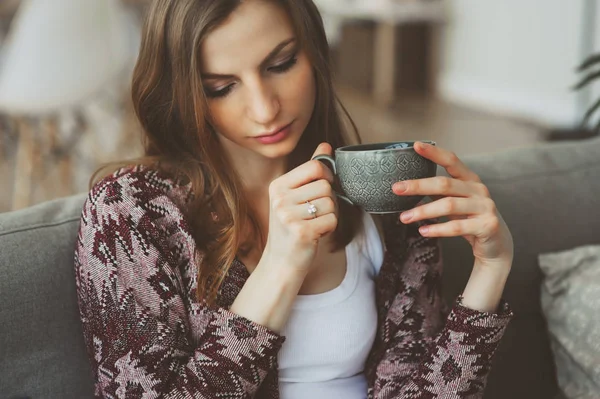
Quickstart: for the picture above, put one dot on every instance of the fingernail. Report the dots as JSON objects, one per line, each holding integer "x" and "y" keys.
{"x": 406, "y": 216}
{"x": 423, "y": 230}
{"x": 400, "y": 187}
{"x": 424, "y": 145}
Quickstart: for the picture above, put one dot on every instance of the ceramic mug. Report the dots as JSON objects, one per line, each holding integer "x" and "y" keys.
{"x": 367, "y": 173}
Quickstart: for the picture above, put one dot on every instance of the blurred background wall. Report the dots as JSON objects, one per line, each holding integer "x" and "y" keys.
{"x": 516, "y": 57}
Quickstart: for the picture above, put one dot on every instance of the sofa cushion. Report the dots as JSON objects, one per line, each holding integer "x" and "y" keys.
{"x": 571, "y": 301}
{"x": 41, "y": 340}
{"x": 549, "y": 195}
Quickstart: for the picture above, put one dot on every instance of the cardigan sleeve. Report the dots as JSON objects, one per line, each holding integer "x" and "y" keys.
{"x": 136, "y": 312}
{"x": 427, "y": 352}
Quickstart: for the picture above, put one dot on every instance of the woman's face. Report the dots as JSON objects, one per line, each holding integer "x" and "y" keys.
{"x": 259, "y": 84}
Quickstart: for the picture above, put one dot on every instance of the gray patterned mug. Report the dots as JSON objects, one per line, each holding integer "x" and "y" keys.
{"x": 368, "y": 171}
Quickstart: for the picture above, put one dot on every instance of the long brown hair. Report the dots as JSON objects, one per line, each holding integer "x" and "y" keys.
{"x": 170, "y": 103}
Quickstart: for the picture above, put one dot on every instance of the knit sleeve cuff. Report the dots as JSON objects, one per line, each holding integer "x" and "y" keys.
{"x": 240, "y": 334}
{"x": 462, "y": 315}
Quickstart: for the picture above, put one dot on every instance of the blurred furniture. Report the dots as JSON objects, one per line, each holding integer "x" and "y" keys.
{"x": 8, "y": 7}
{"x": 389, "y": 16}
{"x": 548, "y": 195}
{"x": 58, "y": 54}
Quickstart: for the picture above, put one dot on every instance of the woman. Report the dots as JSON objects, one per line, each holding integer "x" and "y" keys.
{"x": 201, "y": 271}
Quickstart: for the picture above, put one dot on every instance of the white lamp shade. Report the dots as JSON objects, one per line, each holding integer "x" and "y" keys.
{"x": 60, "y": 52}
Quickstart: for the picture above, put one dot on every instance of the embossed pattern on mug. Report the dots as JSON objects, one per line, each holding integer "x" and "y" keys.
{"x": 363, "y": 177}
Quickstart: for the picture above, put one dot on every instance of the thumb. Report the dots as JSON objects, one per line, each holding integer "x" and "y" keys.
{"x": 323, "y": 149}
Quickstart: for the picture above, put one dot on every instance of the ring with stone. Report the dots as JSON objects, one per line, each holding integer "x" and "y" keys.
{"x": 312, "y": 209}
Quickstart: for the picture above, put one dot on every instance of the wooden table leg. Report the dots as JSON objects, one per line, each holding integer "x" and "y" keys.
{"x": 24, "y": 165}
{"x": 436, "y": 32}
{"x": 3, "y": 136}
{"x": 384, "y": 63}
{"x": 64, "y": 186}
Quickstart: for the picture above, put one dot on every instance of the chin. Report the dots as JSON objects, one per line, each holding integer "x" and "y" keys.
{"x": 280, "y": 150}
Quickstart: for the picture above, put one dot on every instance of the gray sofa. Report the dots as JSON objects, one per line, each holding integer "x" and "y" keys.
{"x": 549, "y": 196}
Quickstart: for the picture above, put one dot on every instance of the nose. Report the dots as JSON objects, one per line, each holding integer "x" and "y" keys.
{"x": 263, "y": 104}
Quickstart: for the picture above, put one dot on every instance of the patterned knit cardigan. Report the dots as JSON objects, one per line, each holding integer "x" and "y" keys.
{"x": 148, "y": 337}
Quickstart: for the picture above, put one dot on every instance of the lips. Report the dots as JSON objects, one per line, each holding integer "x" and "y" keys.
{"x": 273, "y": 132}
{"x": 275, "y": 136}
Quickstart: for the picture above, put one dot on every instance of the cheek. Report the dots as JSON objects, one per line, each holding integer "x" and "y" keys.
{"x": 221, "y": 116}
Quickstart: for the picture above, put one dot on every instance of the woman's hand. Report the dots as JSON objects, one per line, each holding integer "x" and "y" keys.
{"x": 270, "y": 291}
{"x": 472, "y": 214}
{"x": 294, "y": 232}
{"x": 465, "y": 200}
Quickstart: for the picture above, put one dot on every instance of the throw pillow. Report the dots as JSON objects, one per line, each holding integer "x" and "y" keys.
{"x": 570, "y": 296}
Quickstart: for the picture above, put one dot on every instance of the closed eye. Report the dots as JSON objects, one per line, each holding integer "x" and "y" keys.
{"x": 219, "y": 93}
{"x": 285, "y": 66}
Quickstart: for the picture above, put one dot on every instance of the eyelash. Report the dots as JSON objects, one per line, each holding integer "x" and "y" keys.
{"x": 278, "y": 69}
{"x": 285, "y": 66}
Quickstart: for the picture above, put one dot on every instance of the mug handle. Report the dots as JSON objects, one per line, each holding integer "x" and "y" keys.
{"x": 326, "y": 159}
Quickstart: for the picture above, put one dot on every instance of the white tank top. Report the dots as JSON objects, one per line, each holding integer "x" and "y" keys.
{"x": 329, "y": 335}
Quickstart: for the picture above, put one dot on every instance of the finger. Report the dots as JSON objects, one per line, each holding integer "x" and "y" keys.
{"x": 323, "y": 149}
{"x": 447, "y": 159}
{"x": 310, "y": 191}
{"x": 477, "y": 227}
{"x": 306, "y": 173}
{"x": 323, "y": 225}
{"x": 448, "y": 206}
{"x": 440, "y": 185}
{"x": 323, "y": 205}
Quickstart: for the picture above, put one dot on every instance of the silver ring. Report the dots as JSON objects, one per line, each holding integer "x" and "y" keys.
{"x": 312, "y": 209}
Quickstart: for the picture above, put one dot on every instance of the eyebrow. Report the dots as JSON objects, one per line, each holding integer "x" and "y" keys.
{"x": 268, "y": 58}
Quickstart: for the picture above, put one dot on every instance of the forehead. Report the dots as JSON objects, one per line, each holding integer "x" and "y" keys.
{"x": 247, "y": 36}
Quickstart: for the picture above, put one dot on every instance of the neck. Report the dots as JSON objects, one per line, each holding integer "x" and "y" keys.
{"x": 256, "y": 172}
{"x": 257, "y": 176}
